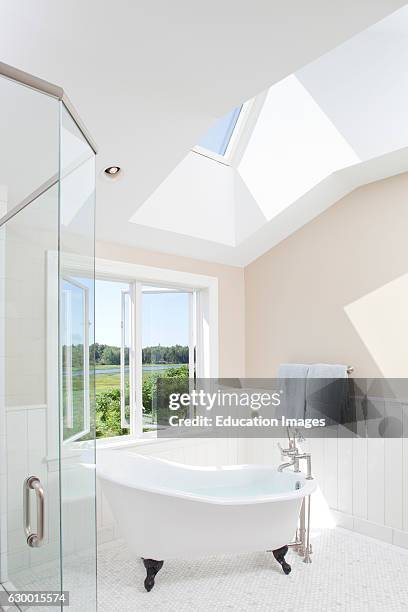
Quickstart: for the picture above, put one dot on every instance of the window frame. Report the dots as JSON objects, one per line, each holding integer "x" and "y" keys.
{"x": 205, "y": 289}
{"x": 86, "y": 404}
{"x": 239, "y": 130}
{"x": 193, "y": 322}
{"x": 129, "y": 293}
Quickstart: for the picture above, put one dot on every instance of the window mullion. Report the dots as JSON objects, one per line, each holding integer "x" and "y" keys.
{"x": 137, "y": 366}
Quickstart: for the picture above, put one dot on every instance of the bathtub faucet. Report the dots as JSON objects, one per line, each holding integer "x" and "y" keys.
{"x": 308, "y": 458}
{"x": 295, "y": 456}
{"x": 283, "y": 466}
{"x": 291, "y": 452}
{"x": 302, "y": 540}
{"x": 292, "y": 449}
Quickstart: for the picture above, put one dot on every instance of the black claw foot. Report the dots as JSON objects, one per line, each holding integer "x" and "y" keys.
{"x": 279, "y": 555}
{"x": 152, "y": 568}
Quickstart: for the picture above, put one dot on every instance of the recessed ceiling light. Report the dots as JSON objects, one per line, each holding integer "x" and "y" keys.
{"x": 112, "y": 170}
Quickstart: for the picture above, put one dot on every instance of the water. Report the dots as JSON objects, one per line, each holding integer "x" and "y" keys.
{"x": 253, "y": 489}
{"x": 149, "y": 367}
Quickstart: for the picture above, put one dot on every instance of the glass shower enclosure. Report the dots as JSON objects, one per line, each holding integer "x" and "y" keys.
{"x": 47, "y": 408}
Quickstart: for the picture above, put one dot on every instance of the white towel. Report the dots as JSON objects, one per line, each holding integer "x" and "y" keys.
{"x": 293, "y": 400}
{"x": 327, "y": 370}
{"x": 327, "y": 392}
{"x": 293, "y": 370}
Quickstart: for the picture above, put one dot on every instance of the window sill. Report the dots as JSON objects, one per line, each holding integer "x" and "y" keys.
{"x": 115, "y": 443}
{"x": 77, "y": 449}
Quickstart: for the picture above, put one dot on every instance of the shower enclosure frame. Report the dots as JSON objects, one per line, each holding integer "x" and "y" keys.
{"x": 53, "y": 91}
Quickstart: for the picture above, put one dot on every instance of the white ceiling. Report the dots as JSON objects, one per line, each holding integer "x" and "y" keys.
{"x": 149, "y": 77}
{"x": 331, "y": 127}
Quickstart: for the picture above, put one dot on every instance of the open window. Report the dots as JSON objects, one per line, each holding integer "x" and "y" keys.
{"x": 75, "y": 359}
{"x": 114, "y": 357}
{"x": 143, "y": 331}
{"x": 126, "y": 346}
{"x": 167, "y": 332}
{"x": 148, "y": 322}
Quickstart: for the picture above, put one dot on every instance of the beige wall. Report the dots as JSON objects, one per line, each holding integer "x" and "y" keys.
{"x": 231, "y": 297}
{"x": 337, "y": 289}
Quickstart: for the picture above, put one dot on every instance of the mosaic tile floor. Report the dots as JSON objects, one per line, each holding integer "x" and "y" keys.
{"x": 349, "y": 573}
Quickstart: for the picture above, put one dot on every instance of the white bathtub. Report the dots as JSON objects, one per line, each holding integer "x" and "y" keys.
{"x": 168, "y": 510}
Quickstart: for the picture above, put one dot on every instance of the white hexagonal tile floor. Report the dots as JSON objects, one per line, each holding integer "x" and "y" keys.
{"x": 349, "y": 573}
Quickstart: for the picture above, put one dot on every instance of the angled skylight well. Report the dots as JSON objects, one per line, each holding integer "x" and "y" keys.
{"x": 218, "y": 141}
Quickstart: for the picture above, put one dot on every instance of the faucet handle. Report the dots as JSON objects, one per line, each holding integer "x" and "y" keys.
{"x": 287, "y": 452}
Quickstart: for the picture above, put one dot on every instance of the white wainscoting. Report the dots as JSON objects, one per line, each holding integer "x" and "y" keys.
{"x": 365, "y": 480}
{"x": 26, "y": 446}
{"x": 27, "y": 453}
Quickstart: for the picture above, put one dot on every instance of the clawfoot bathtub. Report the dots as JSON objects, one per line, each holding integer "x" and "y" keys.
{"x": 167, "y": 510}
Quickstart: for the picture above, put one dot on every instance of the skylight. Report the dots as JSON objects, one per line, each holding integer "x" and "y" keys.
{"x": 219, "y": 135}
{"x": 293, "y": 147}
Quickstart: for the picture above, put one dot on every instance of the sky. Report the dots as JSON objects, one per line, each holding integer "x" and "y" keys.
{"x": 164, "y": 316}
{"x": 218, "y": 136}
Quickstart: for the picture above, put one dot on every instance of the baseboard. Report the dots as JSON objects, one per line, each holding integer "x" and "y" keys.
{"x": 383, "y": 533}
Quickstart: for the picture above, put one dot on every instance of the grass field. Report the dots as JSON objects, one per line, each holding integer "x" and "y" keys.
{"x": 159, "y": 366}
{"x": 107, "y": 385}
{"x": 103, "y": 382}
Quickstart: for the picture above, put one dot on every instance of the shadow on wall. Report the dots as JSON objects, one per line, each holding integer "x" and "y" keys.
{"x": 336, "y": 290}
{"x": 380, "y": 318}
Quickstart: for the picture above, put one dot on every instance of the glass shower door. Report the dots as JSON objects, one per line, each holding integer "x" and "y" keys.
{"x": 29, "y": 416}
{"x": 32, "y": 515}
{"x": 47, "y": 408}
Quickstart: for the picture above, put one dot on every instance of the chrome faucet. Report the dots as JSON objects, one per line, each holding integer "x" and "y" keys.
{"x": 291, "y": 451}
{"x": 283, "y": 466}
{"x": 308, "y": 458}
{"x": 295, "y": 455}
{"x": 302, "y": 539}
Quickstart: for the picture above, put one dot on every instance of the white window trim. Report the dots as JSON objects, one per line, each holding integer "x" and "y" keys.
{"x": 206, "y": 313}
{"x": 208, "y": 286}
{"x": 125, "y": 293}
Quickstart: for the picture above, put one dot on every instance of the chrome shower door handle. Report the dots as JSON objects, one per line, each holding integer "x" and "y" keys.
{"x": 34, "y": 540}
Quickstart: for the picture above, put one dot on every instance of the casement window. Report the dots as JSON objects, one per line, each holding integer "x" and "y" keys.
{"x": 148, "y": 322}
{"x": 163, "y": 328}
{"x": 126, "y": 349}
{"x": 158, "y": 333}
{"x": 168, "y": 336}
{"x": 75, "y": 395}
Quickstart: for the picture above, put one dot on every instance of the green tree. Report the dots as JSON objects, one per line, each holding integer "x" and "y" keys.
{"x": 108, "y": 413}
{"x": 178, "y": 377}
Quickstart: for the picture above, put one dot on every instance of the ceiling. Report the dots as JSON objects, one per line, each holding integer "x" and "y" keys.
{"x": 149, "y": 77}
